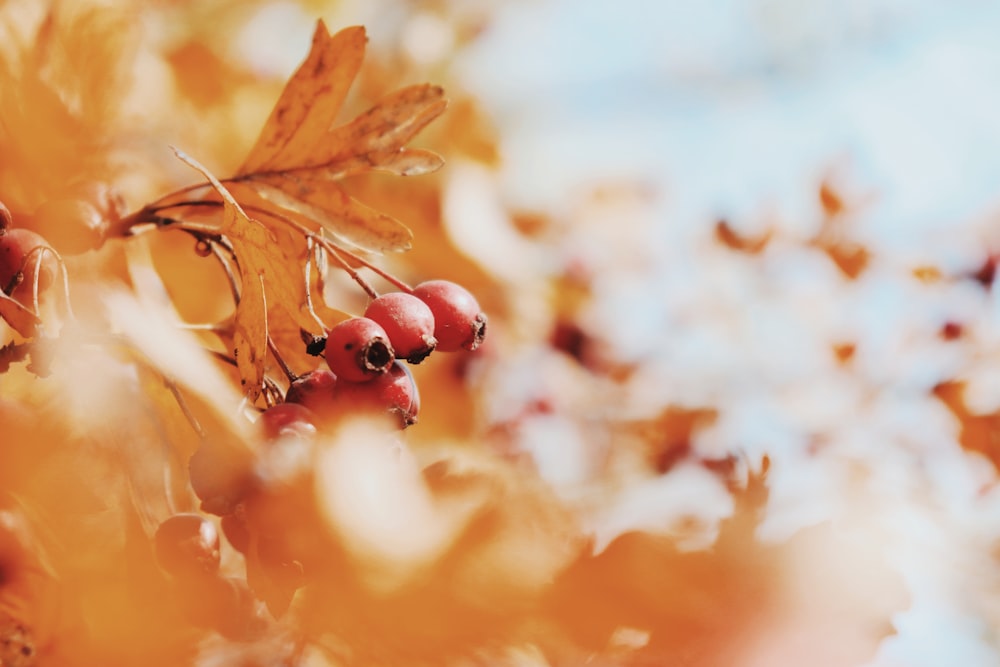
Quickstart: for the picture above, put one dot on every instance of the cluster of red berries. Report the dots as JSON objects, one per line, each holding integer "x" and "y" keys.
{"x": 188, "y": 549}
{"x": 264, "y": 495}
{"x": 255, "y": 494}
{"x": 364, "y": 353}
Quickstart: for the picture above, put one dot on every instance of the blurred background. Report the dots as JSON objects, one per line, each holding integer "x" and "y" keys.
{"x": 738, "y": 258}
{"x": 783, "y": 213}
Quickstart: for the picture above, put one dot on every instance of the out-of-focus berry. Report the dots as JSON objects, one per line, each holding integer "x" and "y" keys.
{"x": 288, "y": 419}
{"x": 313, "y": 390}
{"x": 395, "y": 393}
{"x": 187, "y": 545}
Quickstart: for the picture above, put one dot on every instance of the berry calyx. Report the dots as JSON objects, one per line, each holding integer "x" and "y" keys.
{"x": 288, "y": 419}
{"x": 19, "y": 252}
{"x": 313, "y": 390}
{"x": 187, "y": 545}
{"x": 409, "y": 323}
{"x": 358, "y": 350}
{"x": 459, "y": 322}
{"x": 395, "y": 393}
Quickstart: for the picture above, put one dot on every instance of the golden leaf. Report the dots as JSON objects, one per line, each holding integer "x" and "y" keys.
{"x": 412, "y": 162}
{"x": 378, "y": 133}
{"x": 292, "y": 168}
{"x": 252, "y": 244}
{"x": 310, "y": 101}
{"x": 316, "y": 204}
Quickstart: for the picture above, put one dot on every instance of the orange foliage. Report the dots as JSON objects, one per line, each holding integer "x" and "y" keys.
{"x": 135, "y": 383}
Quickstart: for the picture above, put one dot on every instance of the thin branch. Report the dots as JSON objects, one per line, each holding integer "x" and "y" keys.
{"x": 172, "y": 386}
{"x": 234, "y": 286}
{"x": 307, "y": 271}
{"x": 281, "y": 362}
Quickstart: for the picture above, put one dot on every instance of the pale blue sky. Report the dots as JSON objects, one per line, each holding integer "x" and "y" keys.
{"x": 732, "y": 105}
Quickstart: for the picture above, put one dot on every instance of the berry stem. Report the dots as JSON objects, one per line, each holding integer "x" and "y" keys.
{"x": 351, "y": 271}
{"x": 234, "y": 286}
{"x": 396, "y": 282}
{"x": 281, "y": 362}
{"x": 150, "y": 213}
{"x": 307, "y": 274}
{"x": 175, "y": 391}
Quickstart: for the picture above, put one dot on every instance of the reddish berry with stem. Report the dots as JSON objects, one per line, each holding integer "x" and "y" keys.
{"x": 358, "y": 349}
{"x": 288, "y": 419}
{"x": 395, "y": 393}
{"x": 19, "y": 253}
{"x": 187, "y": 545}
{"x": 459, "y": 322}
{"x": 313, "y": 390}
{"x": 409, "y": 323}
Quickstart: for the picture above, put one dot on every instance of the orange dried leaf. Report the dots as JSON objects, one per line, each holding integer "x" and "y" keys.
{"x": 349, "y": 221}
{"x": 412, "y": 162}
{"x": 310, "y": 101}
{"x": 379, "y": 133}
{"x": 732, "y": 239}
{"x": 20, "y": 318}
{"x": 250, "y": 336}
{"x": 292, "y": 168}
{"x": 251, "y": 241}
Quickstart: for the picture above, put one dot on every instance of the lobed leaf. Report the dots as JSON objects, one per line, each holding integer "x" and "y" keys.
{"x": 350, "y": 222}
{"x": 310, "y": 100}
{"x": 411, "y": 162}
{"x": 292, "y": 168}
{"x": 380, "y": 132}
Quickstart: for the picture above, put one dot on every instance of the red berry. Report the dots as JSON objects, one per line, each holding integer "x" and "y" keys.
{"x": 314, "y": 390}
{"x": 394, "y": 393}
{"x": 459, "y": 323}
{"x": 408, "y": 322}
{"x": 358, "y": 349}
{"x": 19, "y": 255}
{"x": 221, "y": 475}
{"x": 73, "y": 225}
{"x": 187, "y": 545}
{"x": 288, "y": 419}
